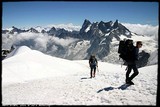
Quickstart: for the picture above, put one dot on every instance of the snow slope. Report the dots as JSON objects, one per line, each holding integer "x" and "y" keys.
{"x": 31, "y": 77}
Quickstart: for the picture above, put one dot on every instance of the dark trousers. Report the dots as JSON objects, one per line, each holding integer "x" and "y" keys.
{"x": 129, "y": 69}
{"x": 93, "y": 70}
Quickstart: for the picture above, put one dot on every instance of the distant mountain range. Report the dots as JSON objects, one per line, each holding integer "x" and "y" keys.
{"x": 99, "y": 38}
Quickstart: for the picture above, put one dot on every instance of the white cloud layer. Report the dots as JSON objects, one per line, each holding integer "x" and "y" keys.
{"x": 51, "y": 44}
{"x": 69, "y": 26}
{"x": 147, "y": 30}
{"x": 37, "y": 41}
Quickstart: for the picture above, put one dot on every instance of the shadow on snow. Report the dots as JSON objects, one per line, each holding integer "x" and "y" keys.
{"x": 122, "y": 87}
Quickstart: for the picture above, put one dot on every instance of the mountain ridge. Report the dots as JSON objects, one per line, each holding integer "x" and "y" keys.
{"x": 93, "y": 38}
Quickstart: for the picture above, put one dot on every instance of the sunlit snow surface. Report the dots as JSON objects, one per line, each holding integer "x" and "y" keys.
{"x": 31, "y": 77}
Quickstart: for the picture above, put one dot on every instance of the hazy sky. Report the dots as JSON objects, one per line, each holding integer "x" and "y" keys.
{"x": 31, "y": 14}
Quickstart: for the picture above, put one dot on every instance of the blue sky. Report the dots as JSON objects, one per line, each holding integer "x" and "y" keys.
{"x": 31, "y": 14}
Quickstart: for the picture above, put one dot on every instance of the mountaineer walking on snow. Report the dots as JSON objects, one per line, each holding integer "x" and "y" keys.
{"x": 131, "y": 64}
{"x": 93, "y": 63}
{"x": 129, "y": 53}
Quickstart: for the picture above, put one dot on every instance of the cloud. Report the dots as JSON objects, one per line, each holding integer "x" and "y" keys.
{"x": 38, "y": 41}
{"x": 69, "y": 26}
{"x": 147, "y": 30}
{"x": 50, "y": 44}
{"x": 62, "y": 42}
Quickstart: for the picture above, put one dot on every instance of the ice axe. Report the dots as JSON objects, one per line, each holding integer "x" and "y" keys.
{"x": 97, "y": 69}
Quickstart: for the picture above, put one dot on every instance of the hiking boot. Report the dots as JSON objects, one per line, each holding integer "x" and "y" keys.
{"x": 129, "y": 82}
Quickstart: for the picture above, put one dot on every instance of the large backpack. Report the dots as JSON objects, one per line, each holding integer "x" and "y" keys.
{"x": 93, "y": 61}
{"x": 126, "y": 50}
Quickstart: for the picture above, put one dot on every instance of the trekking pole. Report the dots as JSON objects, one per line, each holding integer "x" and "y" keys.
{"x": 126, "y": 68}
{"x": 121, "y": 63}
{"x": 97, "y": 69}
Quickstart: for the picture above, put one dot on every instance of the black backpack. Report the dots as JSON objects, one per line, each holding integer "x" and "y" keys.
{"x": 93, "y": 61}
{"x": 126, "y": 50}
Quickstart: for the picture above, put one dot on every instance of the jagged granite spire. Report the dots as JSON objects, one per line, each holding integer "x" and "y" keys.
{"x": 115, "y": 24}
{"x": 86, "y": 23}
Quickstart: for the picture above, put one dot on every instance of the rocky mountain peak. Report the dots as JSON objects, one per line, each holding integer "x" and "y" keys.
{"x": 16, "y": 30}
{"x": 86, "y": 22}
{"x": 85, "y": 25}
{"x": 115, "y": 24}
{"x": 92, "y": 38}
{"x": 33, "y": 30}
{"x": 52, "y": 31}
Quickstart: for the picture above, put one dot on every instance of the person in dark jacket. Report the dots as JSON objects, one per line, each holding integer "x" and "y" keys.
{"x": 131, "y": 64}
{"x": 93, "y": 63}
